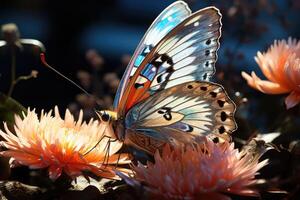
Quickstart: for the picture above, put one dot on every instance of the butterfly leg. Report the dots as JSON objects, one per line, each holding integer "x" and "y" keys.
{"x": 90, "y": 150}
{"x": 119, "y": 156}
{"x": 106, "y": 155}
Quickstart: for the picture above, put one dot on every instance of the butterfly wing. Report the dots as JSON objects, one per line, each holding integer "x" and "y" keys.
{"x": 166, "y": 21}
{"x": 186, "y": 53}
{"x": 181, "y": 114}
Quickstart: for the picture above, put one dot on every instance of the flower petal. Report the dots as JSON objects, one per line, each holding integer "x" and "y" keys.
{"x": 292, "y": 100}
{"x": 281, "y": 65}
{"x": 264, "y": 66}
{"x": 204, "y": 171}
{"x": 54, "y": 172}
{"x": 63, "y": 145}
{"x": 292, "y": 71}
{"x": 267, "y": 87}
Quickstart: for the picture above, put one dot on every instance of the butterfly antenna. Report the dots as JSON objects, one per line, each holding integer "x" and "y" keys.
{"x": 43, "y": 59}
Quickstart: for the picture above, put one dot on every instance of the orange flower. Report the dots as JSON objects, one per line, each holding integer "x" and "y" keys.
{"x": 207, "y": 171}
{"x": 281, "y": 65}
{"x": 62, "y": 145}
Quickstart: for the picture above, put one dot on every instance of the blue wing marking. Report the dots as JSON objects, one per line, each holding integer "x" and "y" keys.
{"x": 149, "y": 72}
{"x": 163, "y": 24}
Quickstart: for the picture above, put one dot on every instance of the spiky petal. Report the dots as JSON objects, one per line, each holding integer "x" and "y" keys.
{"x": 62, "y": 145}
{"x": 208, "y": 171}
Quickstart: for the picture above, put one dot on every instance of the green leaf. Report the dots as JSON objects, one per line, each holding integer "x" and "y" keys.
{"x": 9, "y": 108}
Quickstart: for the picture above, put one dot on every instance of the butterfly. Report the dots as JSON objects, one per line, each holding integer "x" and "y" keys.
{"x": 165, "y": 95}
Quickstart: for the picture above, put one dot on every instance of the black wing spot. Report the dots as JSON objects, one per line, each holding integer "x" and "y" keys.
{"x": 203, "y": 88}
{"x": 207, "y": 53}
{"x": 190, "y": 129}
{"x": 206, "y": 64}
{"x": 167, "y": 116}
{"x": 221, "y": 130}
{"x": 190, "y": 87}
{"x": 159, "y": 79}
{"x": 164, "y": 57}
{"x": 216, "y": 140}
{"x": 170, "y": 70}
{"x": 138, "y": 85}
{"x": 221, "y": 103}
{"x": 213, "y": 94}
{"x": 223, "y": 116}
{"x": 160, "y": 112}
{"x": 156, "y": 62}
{"x": 166, "y": 112}
{"x": 204, "y": 76}
{"x": 170, "y": 61}
{"x": 208, "y": 42}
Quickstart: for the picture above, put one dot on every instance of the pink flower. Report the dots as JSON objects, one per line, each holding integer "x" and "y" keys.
{"x": 62, "y": 145}
{"x": 281, "y": 66}
{"x": 207, "y": 171}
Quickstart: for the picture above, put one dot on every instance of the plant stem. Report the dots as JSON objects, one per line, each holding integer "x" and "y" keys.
{"x": 13, "y": 72}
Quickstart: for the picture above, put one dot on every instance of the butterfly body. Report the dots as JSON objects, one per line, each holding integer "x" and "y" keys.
{"x": 165, "y": 95}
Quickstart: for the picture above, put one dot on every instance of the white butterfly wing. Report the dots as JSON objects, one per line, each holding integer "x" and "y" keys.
{"x": 187, "y": 53}
{"x": 181, "y": 114}
{"x": 192, "y": 50}
{"x": 163, "y": 24}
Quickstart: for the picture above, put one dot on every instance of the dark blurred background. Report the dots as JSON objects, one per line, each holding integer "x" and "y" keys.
{"x": 91, "y": 42}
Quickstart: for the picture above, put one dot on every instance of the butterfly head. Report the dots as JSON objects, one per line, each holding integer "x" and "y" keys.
{"x": 110, "y": 117}
{"x": 107, "y": 116}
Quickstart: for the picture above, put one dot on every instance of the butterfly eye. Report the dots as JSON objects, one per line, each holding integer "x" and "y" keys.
{"x": 105, "y": 117}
